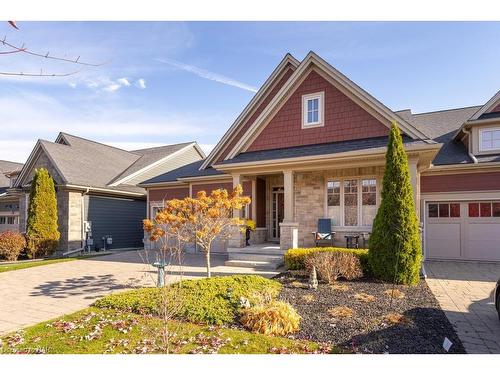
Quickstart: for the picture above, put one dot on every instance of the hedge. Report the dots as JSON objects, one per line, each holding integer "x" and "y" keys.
{"x": 295, "y": 258}
{"x": 212, "y": 300}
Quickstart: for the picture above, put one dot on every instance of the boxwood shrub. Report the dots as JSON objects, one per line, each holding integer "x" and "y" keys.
{"x": 212, "y": 300}
{"x": 295, "y": 258}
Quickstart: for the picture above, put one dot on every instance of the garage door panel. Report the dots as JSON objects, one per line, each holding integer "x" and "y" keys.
{"x": 443, "y": 240}
{"x": 483, "y": 241}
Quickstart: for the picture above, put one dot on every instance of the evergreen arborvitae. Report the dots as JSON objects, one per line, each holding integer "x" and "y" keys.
{"x": 395, "y": 250}
{"x": 41, "y": 226}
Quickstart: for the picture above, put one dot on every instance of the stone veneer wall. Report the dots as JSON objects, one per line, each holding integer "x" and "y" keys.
{"x": 309, "y": 197}
{"x": 69, "y": 208}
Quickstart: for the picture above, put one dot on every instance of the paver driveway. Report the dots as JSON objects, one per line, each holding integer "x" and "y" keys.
{"x": 33, "y": 295}
{"x": 465, "y": 293}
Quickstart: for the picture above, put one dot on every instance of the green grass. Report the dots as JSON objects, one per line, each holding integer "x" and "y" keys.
{"x": 96, "y": 331}
{"x": 35, "y": 263}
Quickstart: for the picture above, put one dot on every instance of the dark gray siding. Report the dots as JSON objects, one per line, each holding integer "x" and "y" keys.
{"x": 118, "y": 217}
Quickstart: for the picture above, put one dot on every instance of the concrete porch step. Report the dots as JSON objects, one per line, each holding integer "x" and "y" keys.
{"x": 253, "y": 264}
{"x": 260, "y": 257}
{"x": 267, "y": 250}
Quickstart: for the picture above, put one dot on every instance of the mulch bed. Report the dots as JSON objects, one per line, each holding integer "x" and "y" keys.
{"x": 416, "y": 324}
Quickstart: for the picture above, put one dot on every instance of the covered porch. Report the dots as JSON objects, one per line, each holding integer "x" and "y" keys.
{"x": 289, "y": 196}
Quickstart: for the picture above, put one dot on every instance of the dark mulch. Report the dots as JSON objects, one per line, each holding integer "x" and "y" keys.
{"x": 423, "y": 329}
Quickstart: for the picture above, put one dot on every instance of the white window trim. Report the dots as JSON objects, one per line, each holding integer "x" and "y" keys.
{"x": 342, "y": 225}
{"x": 321, "y": 110}
{"x": 153, "y": 205}
{"x": 481, "y": 131}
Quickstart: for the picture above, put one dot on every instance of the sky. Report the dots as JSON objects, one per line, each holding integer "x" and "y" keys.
{"x": 167, "y": 82}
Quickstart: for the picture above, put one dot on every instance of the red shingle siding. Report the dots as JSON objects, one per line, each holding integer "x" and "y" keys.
{"x": 166, "y": 194}
{"x": 257, "y": 112}
{"x": 460, "y": 182}
{"x": 343, "y": 120}
{"x": 495, "y": 109}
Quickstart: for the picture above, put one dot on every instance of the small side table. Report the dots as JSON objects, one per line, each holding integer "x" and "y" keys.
{"x": 352, "y": 241}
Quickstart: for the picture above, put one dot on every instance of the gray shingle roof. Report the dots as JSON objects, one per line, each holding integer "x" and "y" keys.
{"x": 442, "y": 126}
{"x": 149, "y": 156}
{"x": 88, "y": 163}
{"x": 6, "y": 167}
{"x": 188, "y": 170}
{"x": 315, "y": 150}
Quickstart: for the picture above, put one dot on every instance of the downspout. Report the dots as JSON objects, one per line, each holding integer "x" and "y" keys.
{"x": 469, "y": 140}
{"x": 83, "y": 217}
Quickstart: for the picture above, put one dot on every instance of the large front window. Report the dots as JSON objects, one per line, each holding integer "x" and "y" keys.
{"x": 352, "y": 202}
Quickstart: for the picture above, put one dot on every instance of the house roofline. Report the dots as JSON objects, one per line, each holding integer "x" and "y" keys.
{"x": 287, "y": 89}
{"x": 250, "y": 107}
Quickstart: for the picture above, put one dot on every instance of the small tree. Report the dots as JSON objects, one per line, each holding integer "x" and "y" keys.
{"x": 41, "y": 229}
{"x": 206, "y": 218}
{"x": 395, "y": 250}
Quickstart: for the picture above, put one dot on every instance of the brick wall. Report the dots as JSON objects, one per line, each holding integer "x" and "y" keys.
{"x": 267, "y": 98}
{"x": 209, "y": 187}
{"x": 343, "y": 120}
{"x": 460, "y": 182}
{"x": 166, "y": 194}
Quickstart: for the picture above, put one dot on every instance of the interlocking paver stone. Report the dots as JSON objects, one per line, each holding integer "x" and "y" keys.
{"x": 464, "y": 291}
{"x": 33, "y": 295}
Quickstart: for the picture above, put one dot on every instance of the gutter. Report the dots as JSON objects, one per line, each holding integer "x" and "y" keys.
{"x": 83, "y": 216}
{"x": 469, "y": 139}
{"x": 120, "y": 192}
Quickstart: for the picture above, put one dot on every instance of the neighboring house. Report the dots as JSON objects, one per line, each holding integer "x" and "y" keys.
{"x": 97, "y": 196}
{"x": 311, "y": 144}
{"x": 9, "y": 206}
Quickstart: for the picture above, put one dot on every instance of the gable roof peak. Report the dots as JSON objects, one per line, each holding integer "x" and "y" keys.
{"x": 490, "y": 104}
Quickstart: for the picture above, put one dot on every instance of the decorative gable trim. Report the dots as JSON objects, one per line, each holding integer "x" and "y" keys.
{"x": 490, "y": 104}
{"x": 271, "y": 81}
{"x": 158, "y": 162}
{"x": 349, "y": 88}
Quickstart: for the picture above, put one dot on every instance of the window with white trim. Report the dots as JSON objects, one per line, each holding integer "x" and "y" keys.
{"x": 352, "y": 202}
{"x": 312, "y": 110}
{"x": 155, "y": 208}
{"x": 489, "y": 140}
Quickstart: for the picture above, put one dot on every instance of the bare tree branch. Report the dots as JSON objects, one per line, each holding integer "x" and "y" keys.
{"x": 41, "y": 74}
{"x": 9, "y": 52}
{"x": 47, "y": 55}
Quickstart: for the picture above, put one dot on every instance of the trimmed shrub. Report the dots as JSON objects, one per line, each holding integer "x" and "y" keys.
{"x": 41, "y": 228}
{"x": 11, "y": 245}
{"x": 395, "y": 248}
{"x": 332, "y": 265}
{"x": 214, "y": 300}
{"x": 272, "y": 318}
{"x": 295, "y": 259}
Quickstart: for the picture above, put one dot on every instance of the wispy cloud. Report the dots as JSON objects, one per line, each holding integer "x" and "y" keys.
{"x": 29, "y": 116}
{"x": 208, "y": 75}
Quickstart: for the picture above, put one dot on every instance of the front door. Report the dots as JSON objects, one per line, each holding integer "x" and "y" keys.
{"x": 277, "y": 211}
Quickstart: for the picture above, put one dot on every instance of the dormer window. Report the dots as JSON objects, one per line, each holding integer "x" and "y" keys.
{"x": 489, "y": 140}
{"x": 312, "y": 110}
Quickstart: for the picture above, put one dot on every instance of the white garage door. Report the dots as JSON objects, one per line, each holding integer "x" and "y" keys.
{"x": 463, "y": 230}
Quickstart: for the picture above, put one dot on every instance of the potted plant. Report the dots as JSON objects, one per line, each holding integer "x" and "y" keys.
{"x": 248, "y": 226}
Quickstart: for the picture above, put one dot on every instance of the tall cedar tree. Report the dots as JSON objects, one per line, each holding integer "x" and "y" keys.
{"x": 395, "y": 250}
{"x": 41, "y": 229}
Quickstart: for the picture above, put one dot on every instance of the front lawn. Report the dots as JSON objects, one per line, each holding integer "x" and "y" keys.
{"x": 100, "y": 331}
{"x": 368, "y": 316}
{"x": 35, "y": 263}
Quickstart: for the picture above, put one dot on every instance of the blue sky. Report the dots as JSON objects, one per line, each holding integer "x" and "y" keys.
{"x": 168, "y": 82}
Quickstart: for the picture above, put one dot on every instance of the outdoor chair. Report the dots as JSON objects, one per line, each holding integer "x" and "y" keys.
{"x": 324, "y": 232}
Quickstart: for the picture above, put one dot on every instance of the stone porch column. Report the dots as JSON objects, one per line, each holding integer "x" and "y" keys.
{"x": 237, "y": 238}
{"x": 289, "y": 229}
